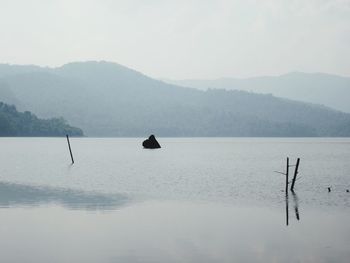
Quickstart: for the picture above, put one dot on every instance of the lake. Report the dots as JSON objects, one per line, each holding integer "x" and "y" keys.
{"x": 193, "y": 200}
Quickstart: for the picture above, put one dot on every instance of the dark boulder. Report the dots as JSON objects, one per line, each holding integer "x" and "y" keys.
{"x": 151, "y": 143}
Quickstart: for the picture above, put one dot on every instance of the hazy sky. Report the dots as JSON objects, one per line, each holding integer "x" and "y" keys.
{"x": 181, "y": 38}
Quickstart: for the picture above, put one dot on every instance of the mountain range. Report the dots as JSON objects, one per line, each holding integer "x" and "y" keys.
{"x": 319, "y": 88}
{"x": 108, "y": 99}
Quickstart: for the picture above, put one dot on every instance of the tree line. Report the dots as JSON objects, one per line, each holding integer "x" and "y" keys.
{"x": 14, "y": 123}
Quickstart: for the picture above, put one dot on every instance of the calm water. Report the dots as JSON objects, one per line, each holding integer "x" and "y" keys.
{"x": 194, "y": 200}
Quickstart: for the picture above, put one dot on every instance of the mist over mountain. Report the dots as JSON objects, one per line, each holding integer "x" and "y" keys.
{"x": 330, "y": 90}
{"x": 107, "y": 99}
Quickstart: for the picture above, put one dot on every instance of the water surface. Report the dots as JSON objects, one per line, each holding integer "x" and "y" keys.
{"x": 194, "y": 200}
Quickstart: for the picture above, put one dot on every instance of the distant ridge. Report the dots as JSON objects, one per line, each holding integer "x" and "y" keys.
{"x": 108, "y": 99}
{"x": 320, "y": 88}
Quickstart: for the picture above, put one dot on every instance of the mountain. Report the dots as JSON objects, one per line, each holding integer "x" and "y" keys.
{"x": 14, "y": 123}
{"x": 108, "y": 99}
{"x": 330, "y": 90}
{"x": 7, "y": 69}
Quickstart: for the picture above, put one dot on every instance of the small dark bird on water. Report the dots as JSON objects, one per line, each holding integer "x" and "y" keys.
{"x": 347, "y": 190}
{"x": 329, "y": 189}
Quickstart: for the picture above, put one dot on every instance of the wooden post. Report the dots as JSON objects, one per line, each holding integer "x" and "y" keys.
{"x": 287, "y": 173}
{"x": 295, "y": 174}
{"x": 70, "y": 150}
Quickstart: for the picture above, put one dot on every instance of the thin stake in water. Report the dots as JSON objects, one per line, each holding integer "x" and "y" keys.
{"x": 70, "y": 150}
{"x": 295, "y": 174}
{"x": 287, "y": 173}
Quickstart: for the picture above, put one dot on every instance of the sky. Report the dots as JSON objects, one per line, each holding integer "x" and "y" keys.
{"x": 181, "y": 39}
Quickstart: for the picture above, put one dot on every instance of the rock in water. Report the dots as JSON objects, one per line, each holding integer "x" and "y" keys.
{"x": 151, "y": 143}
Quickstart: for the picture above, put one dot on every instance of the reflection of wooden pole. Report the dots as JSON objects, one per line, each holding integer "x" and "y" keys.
{"x": 295, "y": 175}
{"x": 287, "y": 173}
{"x": 287, "y": 211}
{"x": 296, "y": 206}
{"x": 70, "y": 150}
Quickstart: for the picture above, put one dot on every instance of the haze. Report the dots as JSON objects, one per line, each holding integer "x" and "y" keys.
{"x": 181, "y": 39}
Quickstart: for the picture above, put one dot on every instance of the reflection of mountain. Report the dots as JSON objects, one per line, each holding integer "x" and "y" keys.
{"x": 24, "y": 195}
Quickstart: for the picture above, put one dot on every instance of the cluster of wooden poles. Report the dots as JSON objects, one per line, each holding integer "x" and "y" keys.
{"x": 296, "y": 208}
{"x": 287, "y": 175}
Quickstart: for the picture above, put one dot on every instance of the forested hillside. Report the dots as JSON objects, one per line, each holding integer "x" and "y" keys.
{"x": 14, "y": 123}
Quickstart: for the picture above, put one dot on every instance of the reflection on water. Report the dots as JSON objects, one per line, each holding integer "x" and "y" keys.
{"x": 189, "y": 191}
{"x": 171, "y": 232}
{"x": 287, "y": 210}
{"x": 12, "y": 195}
{"x": 296, "y": 207}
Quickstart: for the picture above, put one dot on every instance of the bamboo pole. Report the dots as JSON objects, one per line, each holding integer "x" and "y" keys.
{"x": 295, "y": 174}
{"x": 287, "y": 174}
{"x": 70, "y": 150}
